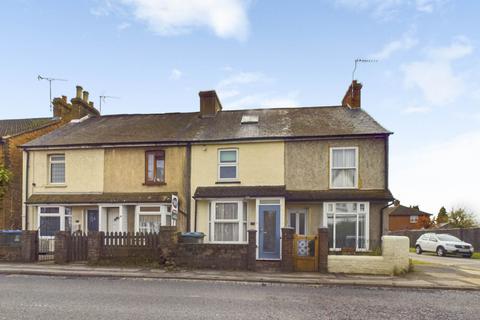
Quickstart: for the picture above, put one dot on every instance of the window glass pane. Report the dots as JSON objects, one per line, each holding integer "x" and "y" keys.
{"x": 343, "y": 158}
{"x": 362, "y": 239}
{"x": 330, "y": 230}
{"x": 337, "y": 158}
{"x": 245, "y": 211}
{"x": 68, "y": 223}
{"x": 225, "y": 211}
{"x": 228, "y": 156}
{"x": 50, "y": 210}
{"x": 150, "y": 170}
{"x": 343, "y": 178}
{"x": 57, "y": 172}
{"x": 149, "y": 223}
{"x": 346, "y": 233}
{"x": 160, "y": 172}
{"x": 226, "y": 231}
{"x": 150, "y": 209}
{"x": 362, "y": 207}
{"x": 68, "y": 211}
{"x": 169, "y": 220}
{"x": 228, "y": 172}
{"x": 301, "y": 224}
{"x": 293, "y": 221}
{"x": 49, "y": 226}
{"x": 330, "y": 207}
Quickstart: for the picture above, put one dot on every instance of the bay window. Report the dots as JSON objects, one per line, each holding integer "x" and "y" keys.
{"x": 344, "y": 167}
{"x": 227, "y": 164}
{"x": 54, "y": 219}
{"x": 347, "y": 224}
{"x": 149, "y": 218}
{"x": 228, "y": 222}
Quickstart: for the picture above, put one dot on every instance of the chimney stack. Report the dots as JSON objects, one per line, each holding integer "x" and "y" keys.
{"x": 352, "y": 98}
{"x": 209, "y": 104}
{"x": 79, "y": 92}
{"x": 85, "y": 96}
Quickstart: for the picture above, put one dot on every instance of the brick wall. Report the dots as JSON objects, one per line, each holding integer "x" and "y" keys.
{"x": 402, "y": 223}
{"x": 11, "y": 210}
{"x": 212, "y": 256}
{"x": 24, "y": 250}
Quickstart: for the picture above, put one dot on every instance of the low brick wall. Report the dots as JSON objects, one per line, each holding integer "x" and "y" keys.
{"x": 24, "y": 249}
{"x": 470, "y": 235}
{"x": 11, "y": 253}
{"x": 394, "y": 259}
{"x": 211, "y": 256}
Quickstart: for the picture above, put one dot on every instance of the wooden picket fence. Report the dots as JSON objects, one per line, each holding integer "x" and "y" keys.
{"x": 78, "y": 247}
{"x": 131, "y": 240}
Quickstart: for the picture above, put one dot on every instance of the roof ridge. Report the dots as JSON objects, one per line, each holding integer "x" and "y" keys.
{"x": 19, "y": 119}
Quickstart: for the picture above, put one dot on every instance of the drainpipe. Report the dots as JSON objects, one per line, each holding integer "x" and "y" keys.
{"x": 381, "y": 216}
{"x": 26, "y": 187}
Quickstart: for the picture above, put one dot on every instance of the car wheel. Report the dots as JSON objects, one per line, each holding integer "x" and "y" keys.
{"x": 418, "y": 250}
{"x": 440, "y": 252}
{"x": 467, "y": 255}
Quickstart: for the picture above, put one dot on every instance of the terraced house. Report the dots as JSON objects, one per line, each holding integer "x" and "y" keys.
{"x": 233, "y": 171}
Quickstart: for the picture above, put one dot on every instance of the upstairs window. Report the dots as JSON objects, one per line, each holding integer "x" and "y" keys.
{"x": 344, "y": 167}
{"x": 413, "y": 219}
{"x": 155, "y": 167}
{"x": 228, "y": 164}
{"x": 56, "y": 168}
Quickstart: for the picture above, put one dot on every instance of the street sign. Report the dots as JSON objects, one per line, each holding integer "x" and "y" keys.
{"x": 174, "y": 207}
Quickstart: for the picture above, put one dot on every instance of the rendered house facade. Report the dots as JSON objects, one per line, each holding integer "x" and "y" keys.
{"x": 233, "y": 171}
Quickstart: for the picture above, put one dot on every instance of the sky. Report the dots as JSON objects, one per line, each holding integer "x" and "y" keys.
{"x": 154, "y": 56}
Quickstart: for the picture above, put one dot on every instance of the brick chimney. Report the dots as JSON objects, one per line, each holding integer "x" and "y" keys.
{"x": 209, "y": 103}
{"x": 352, "y": 98}
{"x": 77, "y": 109}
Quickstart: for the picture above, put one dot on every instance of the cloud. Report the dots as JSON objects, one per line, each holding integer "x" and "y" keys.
{"x": 241, "y": 89}
{"x": 386, "y": 9}
{"x": 175, "y": 74}
{"x": 415, "y": 109}
{"x": 122, "y": 26}
{"x": 402, "y": 44}
{"x": 435, "y": 76}
{"x": 440, "y": 174}
{"x": 227, "y": 18}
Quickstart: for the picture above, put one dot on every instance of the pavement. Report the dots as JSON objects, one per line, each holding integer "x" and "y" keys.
{"x": 425, "y": 276}
{"x": 52, "y": 298}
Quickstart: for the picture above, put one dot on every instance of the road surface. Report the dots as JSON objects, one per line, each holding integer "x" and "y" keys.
{"x": 36, "y": 297}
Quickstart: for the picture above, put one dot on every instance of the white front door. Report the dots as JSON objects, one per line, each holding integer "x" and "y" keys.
{"x": 113, "y": 220}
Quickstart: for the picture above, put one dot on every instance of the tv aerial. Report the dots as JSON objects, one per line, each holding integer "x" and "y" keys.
{"x": 103, "y": 99}
{"x": 39, "y": 78}
{"x": 357, "y": 61}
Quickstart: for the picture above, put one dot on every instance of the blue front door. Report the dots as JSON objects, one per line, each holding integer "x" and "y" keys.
{"x": 269, "y": 235}
{"x": 92, "y": 220}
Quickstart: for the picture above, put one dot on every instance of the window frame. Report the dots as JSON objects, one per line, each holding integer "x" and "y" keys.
{"x": 240, "y": 221}
{"x": 162, "y": 213}
{"x": 332, "y": 149}
{"x": 50, "y": 171}
{"x": 60, "y": 214}
{"x": 227, "y": 164}
{"x": 414, "y": 220}
{"x": 297, "y": 213}
{"x": 157, "y": 154}
{"x": 366, "y": 211}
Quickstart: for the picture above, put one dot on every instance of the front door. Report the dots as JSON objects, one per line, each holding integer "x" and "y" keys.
{"x": 92, "y": 220}
{"x": 269, "y": 235}
{"x": 113, "y": 219}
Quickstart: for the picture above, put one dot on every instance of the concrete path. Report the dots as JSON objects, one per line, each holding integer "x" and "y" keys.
{"x": 419, "y": 279}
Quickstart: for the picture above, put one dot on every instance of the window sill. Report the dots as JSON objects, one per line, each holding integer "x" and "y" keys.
{"x": 154, "y": 183}
{"x": 228, "y": 182}
{"x": 344, "y": 188}
{"x": 55, "y": 186}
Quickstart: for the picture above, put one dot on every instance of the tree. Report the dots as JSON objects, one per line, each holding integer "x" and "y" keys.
{"x": 424, "y": 222}
{"x": 442, "y": 216}
{"x": 5, "y": 176}
{"x": 461, "y": 218}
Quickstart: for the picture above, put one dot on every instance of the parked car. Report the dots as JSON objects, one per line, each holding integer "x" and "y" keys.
{"x": 443, "y": 244}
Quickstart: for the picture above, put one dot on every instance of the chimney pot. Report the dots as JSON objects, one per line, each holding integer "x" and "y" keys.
{"x": 85, "y": 96}
{"x": 90, "y": 104}
{"x": 64, "y": 99}
{"x": 352, "y": 98}
{"x": 396, "y": 203}
{"x": 209, "y": 103}
{"x": 79, "y": 92}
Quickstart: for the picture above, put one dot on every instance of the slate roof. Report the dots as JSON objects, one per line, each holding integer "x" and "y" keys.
{"x": 290, "y": 195}
{"x": 280, "y": 123}
{"x": 405, "y": 211}
{"x": 139, "y": 197}
{"x": 13, "y": 127}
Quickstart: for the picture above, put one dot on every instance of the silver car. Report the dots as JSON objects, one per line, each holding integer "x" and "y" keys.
{"x": 443, "y": 244}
